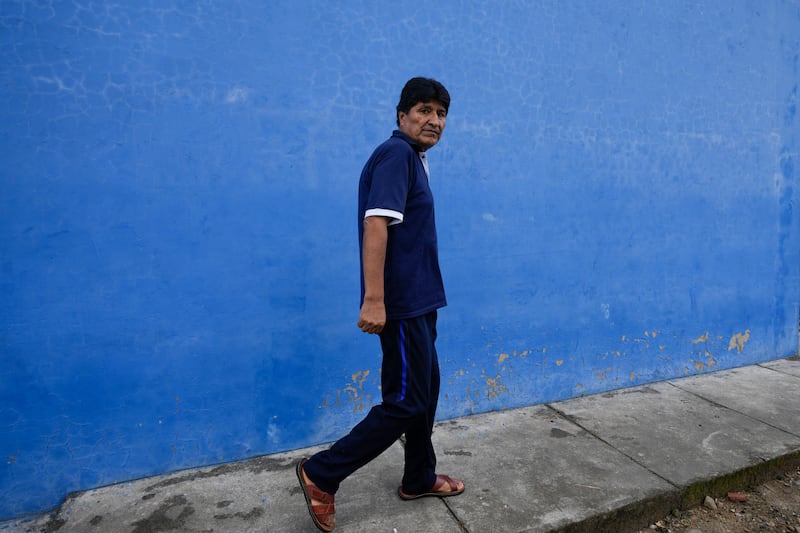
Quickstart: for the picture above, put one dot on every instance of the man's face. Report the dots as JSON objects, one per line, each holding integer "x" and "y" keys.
{"x": 424, "y": 123}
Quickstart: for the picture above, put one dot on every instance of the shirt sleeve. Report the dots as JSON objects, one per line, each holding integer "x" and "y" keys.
{"x": 396, "y": 216}
{"x": 390, "y": 185}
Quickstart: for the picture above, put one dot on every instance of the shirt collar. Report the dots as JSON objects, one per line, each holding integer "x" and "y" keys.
{"x": 406, "y": 138}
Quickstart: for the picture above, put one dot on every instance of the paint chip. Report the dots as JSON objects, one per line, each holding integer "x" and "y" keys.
{"x": 738, "y": 340}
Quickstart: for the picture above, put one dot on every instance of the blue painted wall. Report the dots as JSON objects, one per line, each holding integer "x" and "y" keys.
{"x": 617, "y": 200}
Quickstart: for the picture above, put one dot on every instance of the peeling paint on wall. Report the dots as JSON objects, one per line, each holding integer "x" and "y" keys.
{"x": 710, "y": 361}
{"x": 738, "y": 340}
{"x": 494, "y": 386}
{"x": 354, "y": 393}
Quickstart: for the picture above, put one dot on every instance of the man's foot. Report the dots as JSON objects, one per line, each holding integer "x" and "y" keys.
{"x": 319, "y": 503}
{"x": 443, "y": 486}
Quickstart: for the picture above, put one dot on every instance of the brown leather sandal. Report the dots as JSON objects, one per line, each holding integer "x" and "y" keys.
{"x": 436, "y": 490}
{"x": 322, "y": 514}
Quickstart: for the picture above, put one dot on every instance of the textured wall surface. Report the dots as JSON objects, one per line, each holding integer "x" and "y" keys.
{"x": 616, "y": 192}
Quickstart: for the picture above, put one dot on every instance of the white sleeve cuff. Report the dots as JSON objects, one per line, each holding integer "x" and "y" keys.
{"x": 396, "y": 216}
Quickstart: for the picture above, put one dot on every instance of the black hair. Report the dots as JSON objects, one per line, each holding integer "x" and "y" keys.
{"x": 421, "y": 90}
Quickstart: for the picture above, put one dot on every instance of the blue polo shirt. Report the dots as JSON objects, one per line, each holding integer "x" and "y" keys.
{"x": 394, "y": 184}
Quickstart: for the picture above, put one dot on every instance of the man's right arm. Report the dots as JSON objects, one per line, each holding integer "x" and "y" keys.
{"x": 373, "y": 311}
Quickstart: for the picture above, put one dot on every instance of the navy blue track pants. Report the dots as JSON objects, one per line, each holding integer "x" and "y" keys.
{"x": 410, "y": 390}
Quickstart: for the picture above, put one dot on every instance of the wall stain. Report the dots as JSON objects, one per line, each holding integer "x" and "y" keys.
{"x": 711, "y": 361}
{"x": 355, "y": 390}
{"x": 494, "y": 386}
{"x": 601, "y": 375}
{"x": 738, "y": 340}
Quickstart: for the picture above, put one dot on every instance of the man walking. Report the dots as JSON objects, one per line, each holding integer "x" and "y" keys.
{"x": 401, "y": 291}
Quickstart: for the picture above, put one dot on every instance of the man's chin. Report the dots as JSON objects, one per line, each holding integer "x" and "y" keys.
{"x": 428, "y": 142}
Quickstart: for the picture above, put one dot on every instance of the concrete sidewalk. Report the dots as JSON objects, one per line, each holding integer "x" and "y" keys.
{"x": 610, "y": 462}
